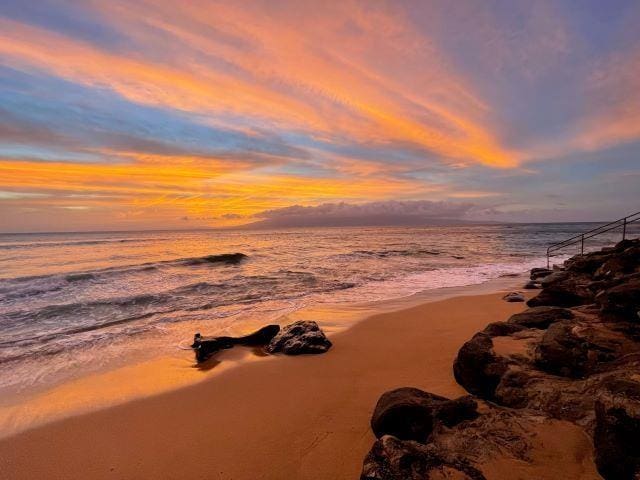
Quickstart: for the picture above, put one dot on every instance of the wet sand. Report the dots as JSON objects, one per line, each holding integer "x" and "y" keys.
{"x": 285, "y": 417}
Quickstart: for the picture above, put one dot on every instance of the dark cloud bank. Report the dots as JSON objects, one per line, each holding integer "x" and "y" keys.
{"x": 387, "y": 213}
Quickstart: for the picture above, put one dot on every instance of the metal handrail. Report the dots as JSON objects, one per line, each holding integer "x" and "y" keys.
{"x": 580, "y": 238}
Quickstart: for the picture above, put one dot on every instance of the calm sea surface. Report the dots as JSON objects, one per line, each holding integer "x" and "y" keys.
{"x": 73, "y": 301}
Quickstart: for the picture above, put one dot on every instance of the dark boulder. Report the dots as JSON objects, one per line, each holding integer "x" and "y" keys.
{"x": 570, "y": 291}
{"x": 298, "y": 338}
{"x": 587, "y": 263}
{"x": 405, "y": 413}
{"x": 205, "y": 347}
{"x": 539, "y": 273}
{"x": 562, "y": 352}
{"x": 617, "y": 432}
{"x": 622, "y": 300}
{"x": 540, "y": 317}
{"x": 512, "y": 391}
{"x": 394, "y": 459}
{"x": 477, "y": 367}
{"x": 554, "y": 278}
{"x": 625, "y": 263}
{"x": 531, "y": 285}
{"x": 502, "y": 329}
{"x": 410, "y": 413}
{"x": 452, "y": 412}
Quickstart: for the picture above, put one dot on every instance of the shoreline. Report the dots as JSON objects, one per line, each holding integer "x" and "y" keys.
{"x": 133, "y": 379}
{"x": 286, "y": 417}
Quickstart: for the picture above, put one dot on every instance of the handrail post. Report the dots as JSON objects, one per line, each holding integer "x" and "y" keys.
{"x": 582, "y": 244}
{"x": 624, "y": 228}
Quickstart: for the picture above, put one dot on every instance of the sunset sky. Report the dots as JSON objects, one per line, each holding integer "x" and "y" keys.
{"x": 141, "y": 114}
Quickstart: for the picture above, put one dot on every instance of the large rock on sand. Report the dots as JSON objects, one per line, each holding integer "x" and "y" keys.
{"x": 410, "y": 413}
{"x": 298, "y": 338}
{"x": 477, "y": 367}
{"x": 539, "y": 273}
{"x": 562, "y": 352}
{"x": 540, "y": 317}
{"x": 502, "y": 329}
{"x": 568, "y": 292}
{"x": 622, "y": 300}
{"x": 617, "y": 433}
{"x": 625, "y": 263}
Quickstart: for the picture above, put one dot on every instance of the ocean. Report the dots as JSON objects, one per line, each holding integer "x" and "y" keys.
{"x": 74, "y": 302}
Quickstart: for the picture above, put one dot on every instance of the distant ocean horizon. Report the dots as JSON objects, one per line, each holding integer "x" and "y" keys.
{"x": 259, "y": 226}
{"x": 72, "y": 300}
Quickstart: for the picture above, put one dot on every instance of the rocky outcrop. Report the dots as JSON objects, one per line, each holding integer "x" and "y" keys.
{"x": 501, "y": 329}
{"x": 539, "y": 273}
{"x": 622, "y": 300}
{"x": 562, "y": 351}
{"x": 298, "y": 338}
{"x": 617, "y": 432}
{"x": 477, "y": 367}
{"x": 540, "y": 317}
{"x": 567, "y": 292}
{"x": 393, "y": 459}
{"x": 411, "y": 414}
{"x": 205, "y": 347}
{"x": 574, "y": 356}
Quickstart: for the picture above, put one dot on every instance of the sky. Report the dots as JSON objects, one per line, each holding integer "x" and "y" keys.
{"x": 136, "y": 114}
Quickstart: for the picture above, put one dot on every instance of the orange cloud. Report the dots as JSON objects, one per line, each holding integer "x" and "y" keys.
{"x": 309, "y": 76}
{"x": 193, "y": 186}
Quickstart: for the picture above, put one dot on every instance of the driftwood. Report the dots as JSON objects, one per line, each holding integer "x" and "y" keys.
{"x": 205, "y": 347}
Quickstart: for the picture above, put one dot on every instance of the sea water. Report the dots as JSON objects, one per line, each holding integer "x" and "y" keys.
{"x": 73, "y": 302}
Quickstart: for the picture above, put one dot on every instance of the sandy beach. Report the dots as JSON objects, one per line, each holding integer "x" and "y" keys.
{"x": 286, "y": 417}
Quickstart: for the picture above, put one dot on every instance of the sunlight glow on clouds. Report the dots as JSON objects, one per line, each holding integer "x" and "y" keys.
{"x": 145, "y": 112}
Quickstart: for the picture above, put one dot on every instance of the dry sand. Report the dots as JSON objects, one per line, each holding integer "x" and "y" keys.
{"x": 285, "y": 417}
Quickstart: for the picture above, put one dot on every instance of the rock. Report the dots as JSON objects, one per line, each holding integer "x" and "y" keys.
{"x": 394, "y": 459}
{"x": 514, "y": 297}
{"x": 566, "y": 359}
{"x": 617, "y": 432}
{"x": 538, "y": 273}
{"x": 540, "y": 317}
{"x": 410, "y": 413}
{"x": 453, "y": 412}
{"x": 625, "y": 263}
{"x": 569, "y": 292}
{"x": 502, "y": 329}
{"x": 477, "y": 368}
{"x": 405, "y": 413}
{"x": 300, "y": 337}
{"x": 512, "y": 390}
{"x": 562, "y": 352}
{"x": 588, "y": 263}
{"x": 205, "y": 347}
{"x": 531, "y": 285}
{"x": 553, "y": 278}
{"x": 622, "y": 300}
